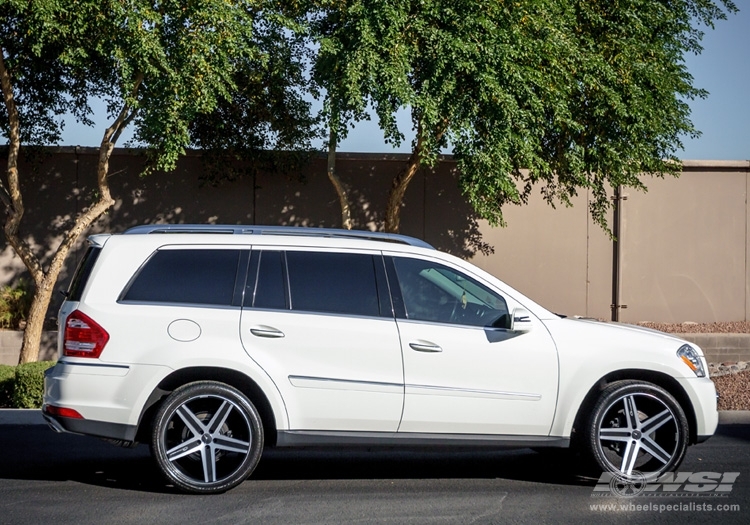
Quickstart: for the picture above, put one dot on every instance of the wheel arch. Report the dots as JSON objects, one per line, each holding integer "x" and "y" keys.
{"x": 228, "y": 376}
{"x": 665, "y": 381}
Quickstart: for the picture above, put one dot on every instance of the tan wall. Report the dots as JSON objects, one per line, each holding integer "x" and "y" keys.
{"x": 684, "y": 244}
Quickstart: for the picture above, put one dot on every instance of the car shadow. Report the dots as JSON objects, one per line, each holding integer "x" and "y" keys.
{"x": 34, "y": 452}
{"x": 553, "y": 466}
{"x": 736, "y": 431}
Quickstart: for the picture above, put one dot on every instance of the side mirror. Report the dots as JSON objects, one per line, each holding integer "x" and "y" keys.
{"x": 520, "y": 320}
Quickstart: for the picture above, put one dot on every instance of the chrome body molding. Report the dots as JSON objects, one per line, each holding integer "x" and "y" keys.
{"x": 345, "y": 384}
{"x": 468, "y": 392}
{"x": 91, "y": 365}
{"x": 395, "y": 388}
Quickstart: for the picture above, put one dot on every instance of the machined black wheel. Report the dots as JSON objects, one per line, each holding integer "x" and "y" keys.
{"x": 637, "y": 429}
{"x": 207, "y": 437}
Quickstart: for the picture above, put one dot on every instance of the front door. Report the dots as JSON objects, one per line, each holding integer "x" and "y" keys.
{"x": 465, "y": 371}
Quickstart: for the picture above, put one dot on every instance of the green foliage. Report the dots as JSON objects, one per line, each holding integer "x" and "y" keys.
{"x": 267, "y": 122}
{"x": 568, "y": 95}
{"x": 15, "y": 302}
{"x": 33, "y": 41}
{"x": 159, "y": 65}
{"x": 29, "y": 384}
{"x": 7, "y": 379}
{"x": 22, "y": 386}
{"x": 187, "y": 54}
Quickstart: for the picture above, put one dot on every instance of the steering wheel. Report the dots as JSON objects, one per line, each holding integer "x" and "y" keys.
{"x": 455, "y": 308}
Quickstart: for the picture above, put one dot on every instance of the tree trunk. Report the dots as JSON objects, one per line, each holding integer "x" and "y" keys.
{"x": 32, "y": 334}
{"x": 401, "y": 181}
{"x": 341, "y": 191}
{"x": 397, "y": 192}
{"x": 45, "y": 280}
{"x": 399, "y": 185}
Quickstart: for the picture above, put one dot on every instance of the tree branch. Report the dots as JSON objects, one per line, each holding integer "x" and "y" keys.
{"x": 111, "y": 134}
{"x": 11, "y": 196}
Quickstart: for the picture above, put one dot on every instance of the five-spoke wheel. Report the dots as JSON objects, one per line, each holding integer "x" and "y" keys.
{"x": 207, "y": 437}
{"x": 637, "y": 428}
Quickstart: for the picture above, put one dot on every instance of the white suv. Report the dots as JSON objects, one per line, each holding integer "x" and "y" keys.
{"x": 211, "y": 342}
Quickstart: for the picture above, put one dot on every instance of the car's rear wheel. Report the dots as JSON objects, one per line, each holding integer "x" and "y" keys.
{"x": 636, "y": 430}
{"x": 207, "y": 437}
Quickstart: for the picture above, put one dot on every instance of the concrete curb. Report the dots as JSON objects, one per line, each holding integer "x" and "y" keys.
{"x": 33, "y": 416}
{"x": 721, "y": 348}
{"x": 21, "y": 416}
{"x": 734, "y": 417}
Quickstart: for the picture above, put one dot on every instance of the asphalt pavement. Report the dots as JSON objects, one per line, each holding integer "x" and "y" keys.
{"x": 63, "y": 478}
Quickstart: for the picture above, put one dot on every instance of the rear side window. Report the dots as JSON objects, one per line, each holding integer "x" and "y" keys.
{"x": 186, "y": 276}
{"x": 341, "y": 283}
{"x": 81, "y": 277}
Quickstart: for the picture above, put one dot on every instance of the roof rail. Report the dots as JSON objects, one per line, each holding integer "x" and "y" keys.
{"x": 230, "y": 229}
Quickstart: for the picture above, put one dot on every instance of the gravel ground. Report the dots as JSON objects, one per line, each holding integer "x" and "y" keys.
{"x": 738, "y": 327}
{"x": 734, "y": 391}
{"x": 733, "y": 387}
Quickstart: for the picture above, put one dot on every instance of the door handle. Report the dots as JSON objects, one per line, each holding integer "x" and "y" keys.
{"x": 266, "y": 331}
{"x": 422, "y": 346}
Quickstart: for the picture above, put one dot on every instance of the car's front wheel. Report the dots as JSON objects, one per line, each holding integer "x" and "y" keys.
{"x": 207, "y": 437}
{"x": 637, "y": 429}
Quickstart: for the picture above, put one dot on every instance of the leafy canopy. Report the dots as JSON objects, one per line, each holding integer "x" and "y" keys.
{"x": 162, "y": 63}
{"x": 268, "y": 115}
{"x": 567, "y": 94}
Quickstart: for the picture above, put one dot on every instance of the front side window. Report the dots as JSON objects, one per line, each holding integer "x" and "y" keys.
{"x": 341, "y": 283}
{"x": 189, "y": 276}
{"x": 433, "y": 292}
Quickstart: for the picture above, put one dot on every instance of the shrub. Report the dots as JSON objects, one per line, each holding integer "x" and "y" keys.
{"x": 7, "y": 378}
{"x": 29, "y": 385}
{"x": 15, "y": 302}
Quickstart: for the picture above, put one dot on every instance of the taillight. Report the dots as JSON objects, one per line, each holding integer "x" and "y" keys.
{"x": 83, "y": 336}
{"x": 61, "y": 412}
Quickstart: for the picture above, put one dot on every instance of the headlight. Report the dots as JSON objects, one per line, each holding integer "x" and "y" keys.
{"x": 690, "y": 357}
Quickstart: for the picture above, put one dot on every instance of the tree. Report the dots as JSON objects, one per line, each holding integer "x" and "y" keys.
{"x": 267, "y": 120}
{"x": 157, "y": 65}
{"x": 566, "y": 94}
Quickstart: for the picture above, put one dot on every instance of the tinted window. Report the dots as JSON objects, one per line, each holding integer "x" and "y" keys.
{"x": 186, "y": 276}
{"x": 333, "y": 282}
{"x": 268, "y": 290}
{"x": 83, "y": 271}
{"x": 433, "y": 292}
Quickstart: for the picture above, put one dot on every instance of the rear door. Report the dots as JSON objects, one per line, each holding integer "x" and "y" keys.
{"x": 321, "y": 324}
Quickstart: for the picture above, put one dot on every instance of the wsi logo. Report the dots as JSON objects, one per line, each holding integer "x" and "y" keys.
{"x": 670, "y": 484}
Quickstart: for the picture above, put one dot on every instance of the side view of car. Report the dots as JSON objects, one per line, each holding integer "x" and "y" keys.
{"x": 213, "y": 342}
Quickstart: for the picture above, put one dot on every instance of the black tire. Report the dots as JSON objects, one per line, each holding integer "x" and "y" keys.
{"x": 637, "y": 430}
{"x": 207, "y": 437}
